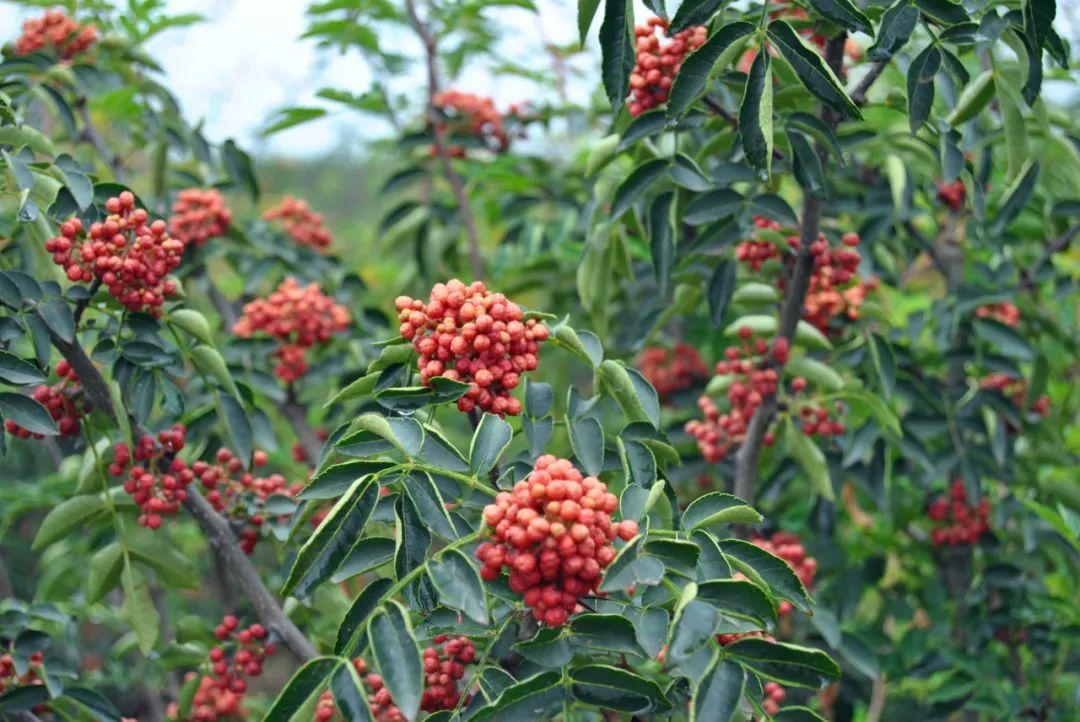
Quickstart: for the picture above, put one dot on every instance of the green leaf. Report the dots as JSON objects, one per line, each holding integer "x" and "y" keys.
{"x": 490, "y": 440}
{"x": 93, "y": 702}
{"x": 636, "y": 184}
{"x": 1016, "y": 196}
{"x": 406, "y": 434}
{"x": 617, "y": 50}
{"x": 1039, "y": 20}
{"x": 335, "y": 480}
{"x": 1003, "y": 339}
{"x": 22, "y": 699}
{"x": 773, "y": 571}
{"x": 896, "y": 27}
{"x": 605, "y": 631}
{"x": 65, "y": 517}
{"x": 797, "y": 714}
{"x": 536, "y": 698}
{"x": 367, "y": 554}
{"x": 139, "y": 609}
{"x": 693, "y": 76}
{"x": 920, "y": 85}
{"x": 617, "y": 689}
{"x": 713, "y": 206}
{"x": 328, "y": 547}
{"x": 693, "y": 627}
{"x": 290, "y": 117}
{"x": 586, "y": 12}
{"x": 945, "y": 11}
{"x": 58, "y": 317}
{"x": 192, "y": 322}
{"x": 717, "y": 694}
{"x": 103, "y": 571}
{"x": 662, "y": 240}
{"x": 811, "y": 68}
{"x": 843, "y": 13}
{"x": 807, "y": 166}
{"x": 209, "y": 361}
{"x": 354, "y": 625}
{"x": 349, "y": 694}
{"x": 1016, "y": 146}
{"x": 238, "y": 165}
{"x": 721, "y": 289}
{"x": 601, "y": 152}
{"x": 739, "y": 598}
{"x": 756, "y": 116}
{"x": 238, "y": 424}
{"x": 307, "y": 681}
{"x": 396, "y": 656}
{"x": 685, "y": 172}
{"x": 17, "y": 372}
{"x": 811, "y": 458}
{"x": 548, "y": 648}
{"x": 429, "y": 504}
{"x": 973, "y": 99}
{"x": 693, "y": 12}
{"x": 631, "y": 391}
{"x": 587, "y": 440}
{"x": 820, "y": 375}
{"x": 718, "y": 508}
{"x": 788, "y": 664}
{"x": 459, "y": 586}
{"x": 569, "y": 339}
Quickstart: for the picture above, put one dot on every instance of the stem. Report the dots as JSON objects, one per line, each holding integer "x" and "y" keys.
{"x": 858, "y": 95}
{"x": 438, "y": 132}
{"x": 91, "y": 135}
{"x": 877, "y": 700}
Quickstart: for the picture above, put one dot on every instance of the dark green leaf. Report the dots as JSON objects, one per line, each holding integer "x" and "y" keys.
{"x": 1016, "y": 197}
{"x": 739, "y": 598}
{"x": 693, "y": 76}
{"x": 429, "y": 504}
{"x": 58, "y": 317}
{"x": 896, "y": 27}
{"x": 536, "y": 698}
{"x": 67, "y": 516}
{"x": 548, "y": 648}
{"x": 636, "y": 184}
{"x": 354, "y": 625}
{"x": 693, "y": 12}
{"x": 367, "y": 554}
{"x": 811, "y": 68}
{"x": 585, "y": 13}
{"x": 397, "y": 657}
{"x": 944, "y": 11}
{"x": 617, "y": 50}
{"x": 335, "y": 480}
{"x": 718, "y": 508}
{"x": 17, "y": 372}
{"x": 306, "y": 682}
{"x": 239, "y": 166}
{"x": 605, "y": 631}
{"x": 618, "y": 689}
{"x": 490, "y": 440}
{"x": 349, "y": 695}
{"x": 238, "y": 424}
{"x": 753, "y": 561}
{"x": 756, "y": 115}
{"x": 1003, "y": 339}
{"x": 721, "y": 289}
{"x": 807, "y": 166}
{"x": 718, "y": 693}
{"x": 587, "y": 440}
{"x": 843, "y": 13}
{"x": 27, "y": 413}
{"x": 459, "y": 585}
{"x": 797, "y": 714}
{"x": 662, "y": 240}
{"x": 694, "y": 627}
{"x": 1039, "y": 21}
{"x": 788, "y": 664}
{"x": 713, "y": 206}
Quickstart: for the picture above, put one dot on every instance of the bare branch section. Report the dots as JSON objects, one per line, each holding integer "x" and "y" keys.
{"x": 748, "y": 458}
{"x": 438, "y": 134}
{"x": 221, "y": 537}
{"x": 91, "y": 135}
{"x": 858, "y": 95}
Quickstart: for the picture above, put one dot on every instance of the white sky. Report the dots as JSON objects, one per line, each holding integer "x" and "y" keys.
{"x": 246, "y": 60}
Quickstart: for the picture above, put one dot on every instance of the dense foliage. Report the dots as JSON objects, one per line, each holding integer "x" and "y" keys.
{"x": 746, "y": 390}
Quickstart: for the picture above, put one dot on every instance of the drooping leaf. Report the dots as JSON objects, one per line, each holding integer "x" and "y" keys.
{"x": 662, "y": 240}
{"x": 718, "y": 508}
{"x": 396, "y": 656}
{"x": 788, "y": 664}
{"x": 718, "y": 692}
{"x": 459, "y": 585}
{"x": 67, "y": 516}
{"x": 920, "y": 86}
{"x": 811, "y": 68}
{"x": 635, "y": 185}
{"x": 843, "y": 13}
{"x": 489, "y": 441}
{"x": 694, "y": 73}
{"x": 773, "y": 571}
{"x": 617, "y": 50}
{"x": 756, "y": 115}
{"x": 896, "y": 27}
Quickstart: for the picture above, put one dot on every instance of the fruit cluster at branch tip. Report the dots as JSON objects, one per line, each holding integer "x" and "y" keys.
{"x": 472, "y": 114}
{"x": 659, "y": 57}
{"x": 129, "y": 256}
{"x": 468, "y": 334}
{"x": 959, "y": 522}
{"x": 158, "y": 484}
{"x": 297, "y": 316}
{"x": 10, "y": 679}
{"x": 554, "y": 533}
{"x": 953, "y": 195}
{"x": 64, "y": 401}
{"x": 671, "y": 370}
{"x": 303, "y": 225}
{"x": 57, "y": 32}
{"x": 199, "y": 215}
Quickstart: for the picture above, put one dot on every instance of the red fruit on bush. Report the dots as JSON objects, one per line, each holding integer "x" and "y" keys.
{"x": 672, "y": 370}
{"x": 199, "y": 215}
{"x": 56, "y": 32}
{"x": 659, "y": 57}
{"x": 303, "y": 225}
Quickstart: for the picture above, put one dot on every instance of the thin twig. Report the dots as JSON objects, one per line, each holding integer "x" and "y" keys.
{"x": 91, "y": 135}
{"x": 1059, "y": 244}
{"x": 858, "y": 95}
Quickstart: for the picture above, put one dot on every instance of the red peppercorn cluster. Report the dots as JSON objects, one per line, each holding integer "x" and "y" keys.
{"x": 953, "y": 195}
{"x": 239, "y": 494}
{"x": 835, "y": 287}
{"x": 57, "y": 32}
{"x": 468, "y": 334}
{"x": 10, "y": 679}
{"x": 1004, "y": 312}
{"x": 129, "y": 256}
{"x": 718, "y": 433}
{"x": 159, "y": 482}
{"x": 64, "y": 401}
{"x": 671, "y": 370}
{"x": 1012, "y": 636}
{"x": 659, "y": 57}
{"x": 816, "y": 420}
{"x": 775, "y": 694}
{"x": 961, "y": 522}
{"x": 788, "y": 547}
{"x": 199, "y": 215}
{"x": 303, "y": 225}
{"x": 297, "y": 316}
{"x": 755, "y": 251}
{"x": 554, "y": 533}
{"x": 476, "y": 115}
{"x": 1016, "y": 388}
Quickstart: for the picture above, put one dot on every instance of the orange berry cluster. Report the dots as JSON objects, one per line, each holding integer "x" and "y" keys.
{"x": 963, "y": 523}
{"x": 129, "y": 256}
{"x": 199, "y": 215}
{"x": 299, "y": 317}
{"x": 835, "y": 288}
{"x": 659, "y": 57}
{"x": 788, "y": 547}
{"x": 11, "y": 679}
{"x": 58, "y": 32}
{"x": 220, "y": 695}
{"x": 158, "y": 484}
{"x": 671, "y": 370}
{"x": 1016, "y": 388}
{"x": 953, "y": 195}
{"x": 554, "y": 532}
{"x": 718, "y": 433}
{"x": 64, "y": 402}
{"x": 1004, "y": 312}
{"x": 303, "y": 225}
{"x": 467, "y": 334}
{"x": 755, "y": 251}
{"x": 477, "y": 114}
{"x": 240, "y": 494}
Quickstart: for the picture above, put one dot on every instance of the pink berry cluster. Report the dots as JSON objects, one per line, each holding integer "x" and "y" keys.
{"x": 475, "y": 114}
{"x": 1016, "y": 388}
{"x": 671, "y": 370}
{"x": 10, "y": 679}
{"x": 468, "y": 334}
{"x": 959, "y": 522}
{"x": 199, "y": 215}
{"x": 756, "y": 379}
{"x": 158, "y": 482}
{"x": 239, "y": 494}
{"x": 303, "y": 225}
{"x": 130, "y": 256}
{"x": 659, "y": 57}
{"x": 58, "y": 32}
{"x": 554, "y": 533}
{"x": 64, "y": 401}
{"x": 788, "y": 547}
{"x": 757, "y": 250}
{"x": 1004, "y": 312}
{"x": 297, "y": 316}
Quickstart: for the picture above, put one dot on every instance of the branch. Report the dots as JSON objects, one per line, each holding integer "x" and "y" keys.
{"x": 748, "y": 458}
{"x": 221, "y": 537}
{"x": 1059, "y": 244}
{"x": 438, "y": 132}
{"x": 91, "y": 135}
{"x": 858, "y": 95}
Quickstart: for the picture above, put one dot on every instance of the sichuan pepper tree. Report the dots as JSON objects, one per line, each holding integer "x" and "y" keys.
{"x": 458, "y": 497}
